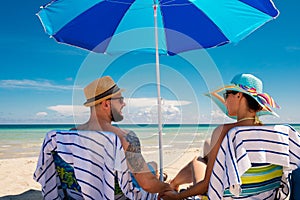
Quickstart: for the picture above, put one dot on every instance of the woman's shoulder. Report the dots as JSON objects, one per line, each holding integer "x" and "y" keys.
{"x": 221, "y": 130}
{"x": 224, "y": 128}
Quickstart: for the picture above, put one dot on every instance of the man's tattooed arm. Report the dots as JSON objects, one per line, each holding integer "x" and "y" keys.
{"x": 133, "y": 153}
{"x": 137, "y": 164}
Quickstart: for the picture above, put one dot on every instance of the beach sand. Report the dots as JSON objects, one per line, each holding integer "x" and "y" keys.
{"x": 16, "y": 179}
{"x": 16, "y": 174}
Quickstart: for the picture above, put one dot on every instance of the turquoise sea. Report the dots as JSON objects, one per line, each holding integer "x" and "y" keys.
{"x": 26, "y": 140}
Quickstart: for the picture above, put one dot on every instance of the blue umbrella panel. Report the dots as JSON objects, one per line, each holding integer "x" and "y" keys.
{"x": 182, "y": 25}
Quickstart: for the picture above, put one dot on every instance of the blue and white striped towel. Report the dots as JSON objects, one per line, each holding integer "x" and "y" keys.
{"x": 95, "y": 156}
{"x": 279, "y": 144}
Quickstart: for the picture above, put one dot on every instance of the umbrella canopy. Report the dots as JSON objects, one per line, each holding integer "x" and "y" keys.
{"x": 179, "y": 25}
{"x": 92, "y": 24}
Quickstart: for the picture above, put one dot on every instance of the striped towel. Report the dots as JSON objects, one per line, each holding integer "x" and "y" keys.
{"x": 243, "y": 146}
{"x": 96, "y": 158}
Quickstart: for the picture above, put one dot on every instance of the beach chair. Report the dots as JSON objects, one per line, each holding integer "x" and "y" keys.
{"x": 84, "y": 165}
{"x": 295, "y": 184}
{"x": 254, "y": 162}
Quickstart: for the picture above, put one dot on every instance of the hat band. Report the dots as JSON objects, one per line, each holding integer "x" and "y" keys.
{"x": 110, "y": 91}
{"x": 264, "y": 98}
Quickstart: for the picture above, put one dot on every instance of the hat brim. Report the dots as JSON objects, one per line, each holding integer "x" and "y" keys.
{"x": 217, "y": 97}
{"x": 93, "y": 103}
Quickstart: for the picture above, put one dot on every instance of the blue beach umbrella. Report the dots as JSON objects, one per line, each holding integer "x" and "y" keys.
{"x": 177, "y": 26}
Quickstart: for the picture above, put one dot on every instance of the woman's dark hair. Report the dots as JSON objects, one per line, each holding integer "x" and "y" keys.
{"x": 252, "y": 103}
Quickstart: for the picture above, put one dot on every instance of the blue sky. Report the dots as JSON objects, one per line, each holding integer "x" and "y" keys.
{"x": 41, "y": 81}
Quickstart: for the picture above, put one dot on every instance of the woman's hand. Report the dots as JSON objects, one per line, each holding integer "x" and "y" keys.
{"x": 168, "y": 195}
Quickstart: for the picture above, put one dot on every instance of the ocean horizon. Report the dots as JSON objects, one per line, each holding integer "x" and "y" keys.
{"x": 25, "y": 140}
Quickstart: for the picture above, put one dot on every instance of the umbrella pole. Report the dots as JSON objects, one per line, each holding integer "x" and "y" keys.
{"x": 158, "y": 97}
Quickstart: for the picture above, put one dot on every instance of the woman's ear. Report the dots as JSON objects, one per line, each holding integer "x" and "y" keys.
{"x": 239, "y": 94}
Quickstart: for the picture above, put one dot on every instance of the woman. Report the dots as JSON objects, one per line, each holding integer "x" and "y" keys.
{"x": 243, "y": 100}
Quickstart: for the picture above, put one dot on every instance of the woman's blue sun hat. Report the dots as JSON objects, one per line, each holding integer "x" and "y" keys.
{"x": 248, "y": 84}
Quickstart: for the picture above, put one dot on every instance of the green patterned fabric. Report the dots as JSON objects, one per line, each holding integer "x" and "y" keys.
{"x": 117, "y": 187}
{"x": 66, "y": 174}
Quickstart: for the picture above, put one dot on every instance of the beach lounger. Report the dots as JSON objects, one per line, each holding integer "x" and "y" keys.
{"x": 84, "y": 165}
{"x": 295, "y": 184}
{"x": 255, "y": 162}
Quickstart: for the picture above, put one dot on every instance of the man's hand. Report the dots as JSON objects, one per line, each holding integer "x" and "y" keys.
{"x": 168, "y": 195}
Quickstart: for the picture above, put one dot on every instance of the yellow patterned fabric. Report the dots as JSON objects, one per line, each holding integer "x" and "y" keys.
{"x": 259, "y": 179}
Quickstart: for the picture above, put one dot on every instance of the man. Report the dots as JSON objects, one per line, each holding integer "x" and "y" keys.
{"x": 106, "y": 102}
{"x": 82, "y": 163}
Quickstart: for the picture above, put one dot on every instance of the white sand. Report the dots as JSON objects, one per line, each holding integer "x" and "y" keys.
{"x": 16, "y": 178}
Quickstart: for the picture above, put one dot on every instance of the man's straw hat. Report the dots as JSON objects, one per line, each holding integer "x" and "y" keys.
{"x": 100, "y": 90}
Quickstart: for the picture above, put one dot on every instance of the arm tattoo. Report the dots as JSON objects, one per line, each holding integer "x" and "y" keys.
{"x": 133, "y": 153}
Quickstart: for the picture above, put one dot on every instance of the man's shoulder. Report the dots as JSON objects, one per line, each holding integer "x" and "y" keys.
{"x": 130, "y": 133}
{"x": 131, "y": 136}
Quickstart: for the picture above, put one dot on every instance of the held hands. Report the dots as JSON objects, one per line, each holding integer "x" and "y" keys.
{"x": 168, "y": 195}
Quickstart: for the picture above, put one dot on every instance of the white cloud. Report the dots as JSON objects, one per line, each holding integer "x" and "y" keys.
{"x": 218, "y": 117}
{"x": 138, "y": 110}
{"x": 149, "y": 102}
{"x": 34, "y": 84}
{"x": 292, "y": 48}
{"x": 217, "y": 114}
{"x": 144, "y": 110}
{"x": 41, "y": 114}
{"x": 70, "y": 110}
{"x": 69, "y": 79}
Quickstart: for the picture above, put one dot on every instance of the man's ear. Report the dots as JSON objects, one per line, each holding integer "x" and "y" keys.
{"x": 106, "y": 104}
